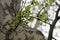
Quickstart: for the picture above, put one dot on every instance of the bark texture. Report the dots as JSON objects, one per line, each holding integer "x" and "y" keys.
{"x": 9, "y": 9}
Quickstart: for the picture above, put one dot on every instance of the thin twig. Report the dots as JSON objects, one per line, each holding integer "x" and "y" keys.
{"x": 41, "y": 20}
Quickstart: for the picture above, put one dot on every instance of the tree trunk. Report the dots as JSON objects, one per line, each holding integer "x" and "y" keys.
{"x": 8, "y": 9}
{"x": 50, "y": 36}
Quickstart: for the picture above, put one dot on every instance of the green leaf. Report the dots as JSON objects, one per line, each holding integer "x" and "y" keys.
{"x": 51, "y": 1}
{"x": 23, "y": 13}
{"x": 17, "y": 16}
{"x": 43, "y": 16}
{"x": 42, "y": 5}
{"x": 38, "y": 23}
{"x": 16, "y": 21}
{"x": 36, "y": 3}
{"x": 46, "y": 19}
{"x": 31, "y": 19}
{"x": 46, "y": 0}
{"x": 47, "y": 7}
{"x": 33, "y": 1}
{"x": 27, "y": 15}
{"x": 12, "y": 25}
{"x": 27, "y": 7}
{"x": 23, "y": 23}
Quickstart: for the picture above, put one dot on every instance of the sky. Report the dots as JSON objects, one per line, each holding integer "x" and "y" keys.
{"x": 45, "y": 29}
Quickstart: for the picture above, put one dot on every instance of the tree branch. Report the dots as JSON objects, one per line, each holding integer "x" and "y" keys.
{"x": 54, "y": 38}
{"x": 53, "y": 25}
{"x": 41, "y": 20}
{"x": 58, "y": 17}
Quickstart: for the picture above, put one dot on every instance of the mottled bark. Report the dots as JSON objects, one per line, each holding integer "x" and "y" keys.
{"x": 8, "y": 10}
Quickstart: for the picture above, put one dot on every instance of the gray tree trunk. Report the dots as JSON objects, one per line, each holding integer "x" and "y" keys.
{"x": 8, "y": 10}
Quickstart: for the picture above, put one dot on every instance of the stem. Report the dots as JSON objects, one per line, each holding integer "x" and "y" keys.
{"x": 50, "y": 36}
